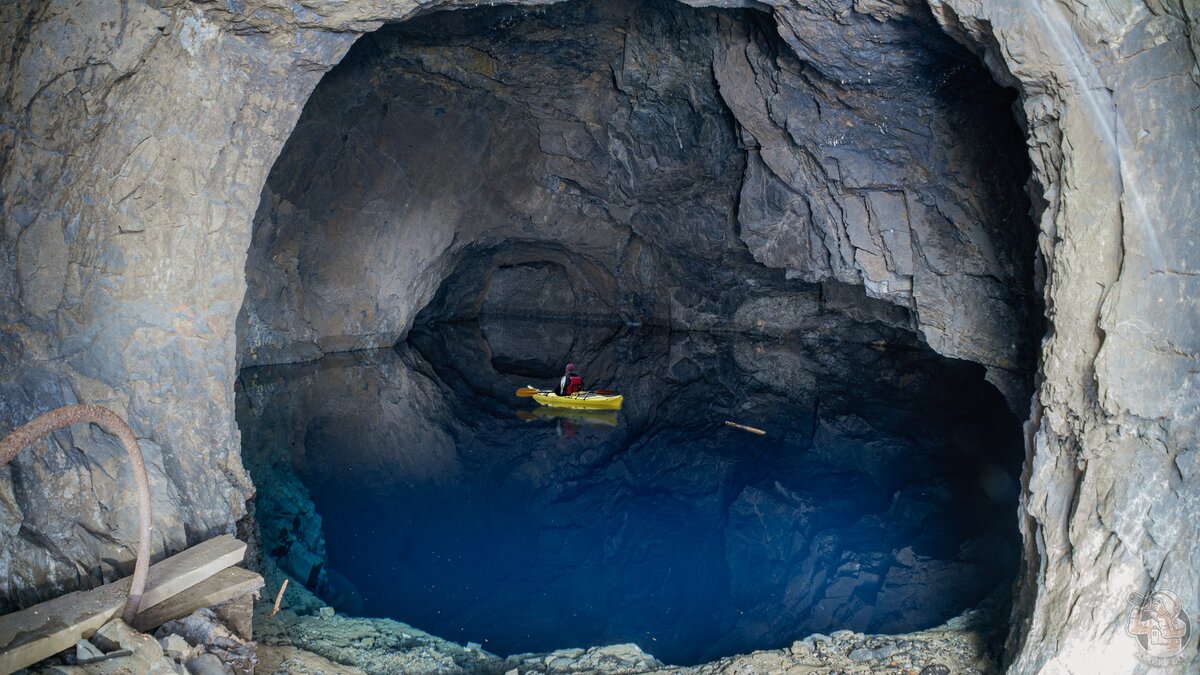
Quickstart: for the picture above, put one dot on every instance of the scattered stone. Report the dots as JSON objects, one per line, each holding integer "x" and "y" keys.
{"x": 208, "y": 664}
{"x": 202, "y": 628}
{"x": 613, "y": 659}
{"x": 286, "y": 660}
{"x": 167, "y": 666}
{"x": 372, "y": 645}
{"x": 206, "y": 633}
{"x": 176, "y": 647}
{"x": 145, "y": 652}
{"x": 864, "y": 654}
{"x": 105, "y": 639}
{"x": 326, "y": 612}
{"x": 86, "y": 651}
{"x": 238, "y": 616}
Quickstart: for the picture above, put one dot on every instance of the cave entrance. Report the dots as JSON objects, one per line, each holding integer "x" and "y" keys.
{"x": 700, "y": 213}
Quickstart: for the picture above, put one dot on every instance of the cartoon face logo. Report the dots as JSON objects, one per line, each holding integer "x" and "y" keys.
{"x": 1159, "y": 623}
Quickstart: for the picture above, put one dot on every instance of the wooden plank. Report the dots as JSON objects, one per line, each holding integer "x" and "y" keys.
{"x": 45, "y": 629}
{"x": 229, "y": 583}
{"x": 190, "y": 567}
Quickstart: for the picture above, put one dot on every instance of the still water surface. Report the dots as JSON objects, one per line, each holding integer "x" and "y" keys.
{"x": 881, "y": 499}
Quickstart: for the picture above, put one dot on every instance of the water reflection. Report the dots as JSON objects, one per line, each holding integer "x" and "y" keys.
{"x": 448, "y": 503}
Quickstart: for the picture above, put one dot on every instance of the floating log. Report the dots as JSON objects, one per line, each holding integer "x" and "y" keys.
{"x": 41, "y": 631}
{"x": 743, "y": 427}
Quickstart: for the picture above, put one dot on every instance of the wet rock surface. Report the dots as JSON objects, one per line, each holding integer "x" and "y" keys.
{"x": 862, "y": 509}
{"x": 455, "y": 146}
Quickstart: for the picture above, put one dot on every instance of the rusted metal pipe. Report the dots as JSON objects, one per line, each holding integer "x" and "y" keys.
{"x": 44, "y": 425}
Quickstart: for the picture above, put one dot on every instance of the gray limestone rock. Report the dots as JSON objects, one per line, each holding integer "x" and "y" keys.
{"x": 146, "y": 656}
{"x": 87, "y": 233}
{"x": 207, "y": 664}
{"x": 85, "y": 650}
{"x": 177, "y": 647}
{"x": 285, "y": 660}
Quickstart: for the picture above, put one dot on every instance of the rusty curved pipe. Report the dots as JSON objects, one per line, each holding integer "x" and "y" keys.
{"x": 44, "y": 425}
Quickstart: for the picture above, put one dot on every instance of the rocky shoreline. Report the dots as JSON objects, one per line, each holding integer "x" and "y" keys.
{"x": 308, "y": 637}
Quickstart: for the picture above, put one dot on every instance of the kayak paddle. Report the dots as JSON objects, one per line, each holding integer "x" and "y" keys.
{"x": 526, "y": 392}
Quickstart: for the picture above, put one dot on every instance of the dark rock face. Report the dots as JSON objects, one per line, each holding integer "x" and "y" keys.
{"x": 879, "y": 155}
{"x": 655, "y": 521}
{"x": 668, "y": 159}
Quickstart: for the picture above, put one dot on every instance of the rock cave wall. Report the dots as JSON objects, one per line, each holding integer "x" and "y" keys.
{"x": 670, "y": 150}
{"x": 1112, "y": 462}
{"x": 135, "y": 141}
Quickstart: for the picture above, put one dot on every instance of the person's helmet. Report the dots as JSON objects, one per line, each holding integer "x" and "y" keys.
{"x": 570, "y": 367}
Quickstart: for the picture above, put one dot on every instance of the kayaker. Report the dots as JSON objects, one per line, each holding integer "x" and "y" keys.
{"x": 570, "y": 383}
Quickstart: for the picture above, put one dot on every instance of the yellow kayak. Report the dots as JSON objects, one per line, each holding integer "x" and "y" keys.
{"x": 585, "y": 400}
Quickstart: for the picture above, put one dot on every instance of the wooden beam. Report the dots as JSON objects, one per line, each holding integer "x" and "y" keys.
{"x": 41, "y": 631}
{"x": 190, "y": 567}
{"x": 229, "y": 583}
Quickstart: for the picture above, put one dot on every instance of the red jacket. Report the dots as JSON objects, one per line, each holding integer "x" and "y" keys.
{"x": 570, "y": 384}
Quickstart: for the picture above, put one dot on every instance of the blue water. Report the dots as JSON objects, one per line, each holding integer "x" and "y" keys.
{"x": 881, "y": 499}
